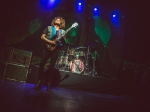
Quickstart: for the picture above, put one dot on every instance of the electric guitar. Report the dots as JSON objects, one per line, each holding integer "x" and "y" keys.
{"x": 57, "y": 40}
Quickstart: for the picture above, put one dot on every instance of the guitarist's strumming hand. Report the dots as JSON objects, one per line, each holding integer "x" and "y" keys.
{"x": 43, "y": 37}
{"x": 52, "y": 42}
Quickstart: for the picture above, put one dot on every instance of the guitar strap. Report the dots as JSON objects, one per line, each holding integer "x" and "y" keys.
{"x": 52, "y": 32}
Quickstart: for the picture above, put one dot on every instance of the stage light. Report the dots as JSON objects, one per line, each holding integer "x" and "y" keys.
{"x": 114, "y": 18}
{"x": 51, "y": 1}
{"x": 48, "y": 4}
{"x": 79, "y": 6}
{"x": 79, "y": 3}
{"x": 114, "y": 15}
{"x": 95, "y": 9}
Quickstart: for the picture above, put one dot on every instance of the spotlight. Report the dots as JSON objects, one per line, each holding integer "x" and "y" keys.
{"x": 114, "y": 18}
{"x": 95, "y": 9}
{"x": 79, "y": 3}
{"x": 79, "y": 6}
{"x": 114, "y": 15}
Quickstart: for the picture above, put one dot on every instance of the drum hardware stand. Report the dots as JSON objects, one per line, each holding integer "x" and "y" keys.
{"x": 61, "y": 60}
{"x": 67, "y": 65}
{"x": 93, "y": 72}
{"x": 87, "y": 68}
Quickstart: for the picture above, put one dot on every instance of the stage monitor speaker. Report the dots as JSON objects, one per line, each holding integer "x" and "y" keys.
{"x": 5, "y": 54}
{"x": 21, "y": 57}
{"x": 16, "y": 72}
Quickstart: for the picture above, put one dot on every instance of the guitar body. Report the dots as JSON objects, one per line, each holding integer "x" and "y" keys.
{"x": 52, "y": 47}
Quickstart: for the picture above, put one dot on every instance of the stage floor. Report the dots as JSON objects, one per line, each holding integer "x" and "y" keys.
{"x": 21, "y": 97}
{"x": 96, "y": 84}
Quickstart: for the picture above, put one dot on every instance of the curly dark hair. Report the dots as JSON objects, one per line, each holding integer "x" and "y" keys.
{"x": 62, "y": 22}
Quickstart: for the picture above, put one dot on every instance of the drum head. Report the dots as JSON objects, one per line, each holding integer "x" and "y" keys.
{"x": 76, "y": 66}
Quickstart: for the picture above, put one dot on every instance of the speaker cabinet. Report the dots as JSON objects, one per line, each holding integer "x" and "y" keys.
{"x": 21, "y": 57}
{"x": 16, "y": 72}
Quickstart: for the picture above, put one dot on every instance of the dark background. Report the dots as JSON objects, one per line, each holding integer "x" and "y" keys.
{"x": 136, "y": 42}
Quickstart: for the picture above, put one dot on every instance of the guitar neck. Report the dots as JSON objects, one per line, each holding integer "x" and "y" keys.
{"x": 67, "y": 30}
{"x": 64, "y": 33}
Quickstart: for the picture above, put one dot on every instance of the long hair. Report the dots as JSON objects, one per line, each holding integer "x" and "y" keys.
{"x": 62, "y": 22}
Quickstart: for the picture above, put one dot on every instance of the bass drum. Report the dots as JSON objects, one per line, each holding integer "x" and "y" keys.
{"x": 76, "y": 66}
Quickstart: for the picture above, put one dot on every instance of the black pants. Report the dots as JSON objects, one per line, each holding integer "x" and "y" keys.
{"x": 46, "y": 55}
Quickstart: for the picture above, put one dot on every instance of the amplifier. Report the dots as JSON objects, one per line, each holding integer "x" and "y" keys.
{"x": 16, "y": 72}
{"x": 21, "y": 57}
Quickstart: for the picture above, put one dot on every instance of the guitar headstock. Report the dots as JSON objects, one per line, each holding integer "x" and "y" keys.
{"x": 74, "y": 24}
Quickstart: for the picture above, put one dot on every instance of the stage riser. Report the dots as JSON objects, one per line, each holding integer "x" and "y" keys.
{"x": 77, "y": 81}
{"x": 89, "y": 83}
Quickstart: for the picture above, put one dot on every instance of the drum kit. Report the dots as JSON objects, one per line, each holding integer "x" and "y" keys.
{"x": 77, "y": 60}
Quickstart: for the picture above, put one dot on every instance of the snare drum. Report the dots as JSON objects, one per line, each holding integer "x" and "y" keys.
{"x": 76, "y": 66}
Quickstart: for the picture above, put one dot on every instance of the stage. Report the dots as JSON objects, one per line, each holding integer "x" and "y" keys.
{"x": 21, "y": 97}
{"x": 70, "y": 80}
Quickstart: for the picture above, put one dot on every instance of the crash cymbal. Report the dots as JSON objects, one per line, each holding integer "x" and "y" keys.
{"x": 81, "y": 47}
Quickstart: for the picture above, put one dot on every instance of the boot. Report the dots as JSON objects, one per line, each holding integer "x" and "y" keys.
{"x": 48, "y": 86}
{"x": 38, "y": 85}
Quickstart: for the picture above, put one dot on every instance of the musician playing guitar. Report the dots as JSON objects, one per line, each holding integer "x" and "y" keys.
{"x": 49, "y": 36}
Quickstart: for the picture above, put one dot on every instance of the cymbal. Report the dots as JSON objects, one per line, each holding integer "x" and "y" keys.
{"x": 80, "y": 47}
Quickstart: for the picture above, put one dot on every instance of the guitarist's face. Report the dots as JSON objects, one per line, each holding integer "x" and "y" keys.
{"x": 57, "y": 22}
